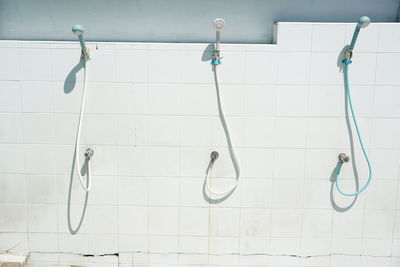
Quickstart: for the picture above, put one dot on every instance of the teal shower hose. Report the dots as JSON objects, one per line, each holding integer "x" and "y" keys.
{"x": 348, "y": 98}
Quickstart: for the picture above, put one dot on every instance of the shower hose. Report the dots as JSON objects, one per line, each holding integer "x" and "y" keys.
{"x": 229, "y": 142}
{"x": 348, "y": 99}
{"x": 78, "y": 135}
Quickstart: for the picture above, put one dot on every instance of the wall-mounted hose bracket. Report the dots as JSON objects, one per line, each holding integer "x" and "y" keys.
{"x": 216, "y": 57}
{"x": 348, "y": 54}
{"x": 85, "y": 54}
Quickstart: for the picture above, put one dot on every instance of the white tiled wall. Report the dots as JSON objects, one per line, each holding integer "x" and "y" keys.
{"x": 152, "y": 119}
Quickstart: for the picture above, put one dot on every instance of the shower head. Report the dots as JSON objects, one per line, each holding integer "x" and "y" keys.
{"x": 78, "y": 30}
{"x": 219, "y": 24}
{"x": 364, "y": 21}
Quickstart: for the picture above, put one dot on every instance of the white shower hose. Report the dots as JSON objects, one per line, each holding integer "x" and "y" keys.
{"x": 77, "y": 141}
{"x": 230, "y": 146}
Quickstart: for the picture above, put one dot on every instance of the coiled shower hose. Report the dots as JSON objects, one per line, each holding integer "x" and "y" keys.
{"x": 78, "y": 135}
{"x": 348, "y": 99}
{"x": 229, "y": 142}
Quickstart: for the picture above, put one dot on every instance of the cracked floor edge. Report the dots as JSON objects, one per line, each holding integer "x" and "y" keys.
{"x": 117, "y": 254}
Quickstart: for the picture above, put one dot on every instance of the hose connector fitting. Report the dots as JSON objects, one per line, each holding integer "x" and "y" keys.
{"x": 214, "y": 156}
{"x": 343, "y": 158}
{"x": 89, "y": 153}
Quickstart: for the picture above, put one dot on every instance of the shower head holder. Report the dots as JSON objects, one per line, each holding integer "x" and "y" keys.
{"x": 85, "y": 54}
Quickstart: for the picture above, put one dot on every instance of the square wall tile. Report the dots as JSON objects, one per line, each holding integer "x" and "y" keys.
{"x": 291, "y": 100}
{"x": 10, "y": 69}
{"x": 11, "y": 130}
{"x": 37, "y": 96}
{"x": 257, "y": 162}
{"x": 14, "y": 218}
{"x": 385, "y": 73}
{"x": 42, "y": 218}
{"x": 131, "y": 65}
{"x": 10, "y": 155}
{"x": 233, "y": 68}
{"x": 260, "y": 100}
{"x": 325, "y": 101}
{"x": 35, "y": 64}
{"x": 258, "y": 132}
{"x": 289, "y": 157}
{"x": 133, "y": 191}
{"x": 133, "y": 220}
{"x": 378, "y": 223}
{"x": 10, "y": 96}
{"x": 255, "y": 222}
{"x": 224, "y": 222}
{"x": 294, "y": 37}
{"x": 385, "y": 133}
{"x": 326, "y": 69}
{"x": 362, "y": 70}
{"x": 163, "y": 221}
{"x": 294, "y": 68}
{"x": 101, "y": 67}
{"x": 194, "y": 221}
{"x": 387, "y": 101}
{"x": 10, "y": 184}
{"x": 261, "y": 68}
{"x": 285, "y": 223}
{"x": 38, "y": 128}
{"x": 164, "y": 66}
{"x": 316, "y": 224}
{"x": 389, "y": 36}
{"x": 290, "y": 132}
{"x": 287, "y": 194}
{"x": 163, "y": 191}
{"x": 348, "y": 224}
{"x": 328, "y": 37}
{"x": 41, "y": 189}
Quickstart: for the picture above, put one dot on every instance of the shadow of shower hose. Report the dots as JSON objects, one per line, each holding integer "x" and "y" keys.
{"x": 70, "y": 80}
{"x": 206, "y": 195}
{"x": 352, "y": 153}
{"x": 84, "y": 170}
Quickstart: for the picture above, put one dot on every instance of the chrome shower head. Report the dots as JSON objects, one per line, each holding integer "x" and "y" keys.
{"x": 219, "y": 24}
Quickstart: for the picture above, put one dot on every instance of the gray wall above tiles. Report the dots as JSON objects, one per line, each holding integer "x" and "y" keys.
{"x": 249, "y": 21}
